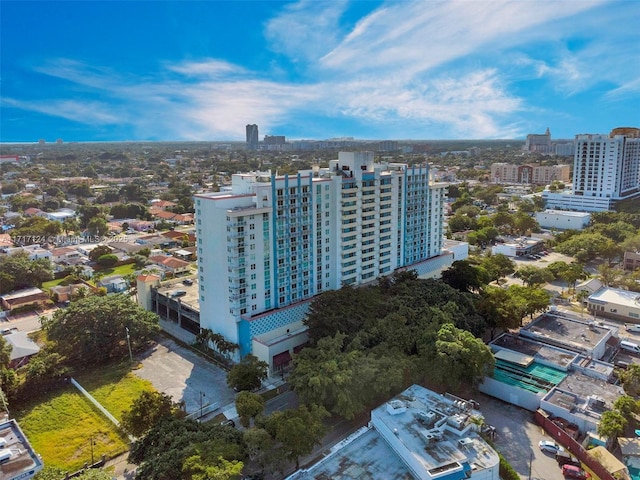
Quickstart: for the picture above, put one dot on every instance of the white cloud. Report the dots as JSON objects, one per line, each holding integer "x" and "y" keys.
{"x": 447, "y": 66}
{"x": 206, "y": 68}
{"x": 306, "y": 30}
{"x": 417, "y": 36}
{"x": 89, "y": 112}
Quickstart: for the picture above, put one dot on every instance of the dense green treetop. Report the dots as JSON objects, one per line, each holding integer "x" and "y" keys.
{"x": 94, "y": 329}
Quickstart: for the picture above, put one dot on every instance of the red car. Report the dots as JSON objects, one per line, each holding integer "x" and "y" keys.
{"x": 571, "y": 471}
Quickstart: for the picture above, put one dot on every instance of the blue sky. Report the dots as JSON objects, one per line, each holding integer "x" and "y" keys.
{"x": 153, "y": 70}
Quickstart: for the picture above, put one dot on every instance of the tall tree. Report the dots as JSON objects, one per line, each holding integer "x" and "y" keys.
{"x": 459, "y": 357}
{"x": 612, "y": 424}
{"x": 464, "y": 276}
{"x": 20, "y": 272}
{"x": 533, "y": 276}
{"x": 147, "y": 410}
{"x": 94, "y": 329}
{"x": 297, "y": 430}
{"x": 163, "y": 452}
{"x": 249, "y": 406}
{"x": 248, "y": 374}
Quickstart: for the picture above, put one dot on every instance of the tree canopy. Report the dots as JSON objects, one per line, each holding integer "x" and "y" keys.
{"x": 247, "y": 374}
{"x": 94, "y": 329}
{"x": 147, "y": 410}
{"x": 17, "y": 271}
{"x": 180, "y": 449}
{"x": 358, "y": 359}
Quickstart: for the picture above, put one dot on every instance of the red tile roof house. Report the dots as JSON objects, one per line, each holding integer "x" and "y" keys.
{"x": 180, "y": 236}
{"x": 32, "y": 212}
{"x": 171, "y": 265}
{"x": 162, "y": 204}
{"x": 177, "y": 218}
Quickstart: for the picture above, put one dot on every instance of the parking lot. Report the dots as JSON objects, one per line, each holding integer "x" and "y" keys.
{"x": 517, "y": 438}
{"x": 185, "y": 376}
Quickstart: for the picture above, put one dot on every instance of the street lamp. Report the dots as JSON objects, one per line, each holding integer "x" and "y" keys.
{"x": 129, "y": 344}
{"x": 201, "y": 396}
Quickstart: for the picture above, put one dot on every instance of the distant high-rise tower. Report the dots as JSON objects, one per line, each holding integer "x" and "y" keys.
{"x": 539, "y": 143}
{"x": 252, "y": 137}
{"x": 606, "y": 170}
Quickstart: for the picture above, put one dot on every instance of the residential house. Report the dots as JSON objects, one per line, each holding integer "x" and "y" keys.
{"x": 171, "y": 265}
{"x": 113, "y": 283}
{"x": 22, "y": 348}
{"x": 21, "y": 298}
{"x": 631, "y": 260}
{"x": 161, "y": 204}
{"x": 64, "y": 293}
{"x": 180, "y": 237}
{"x": 65, "y": 255}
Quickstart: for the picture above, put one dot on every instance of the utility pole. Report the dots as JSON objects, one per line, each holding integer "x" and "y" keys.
{"x": 530, "y": 462}
{"x": 129, "y": 344}
{"x": 201, "y": 396}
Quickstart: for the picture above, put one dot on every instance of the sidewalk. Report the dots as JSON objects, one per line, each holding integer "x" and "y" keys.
{"x": 122, "y": 470}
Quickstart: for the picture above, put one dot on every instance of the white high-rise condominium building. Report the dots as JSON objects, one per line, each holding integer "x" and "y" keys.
{"x": 606, "y": 169}
{"x": 269, "y": 243}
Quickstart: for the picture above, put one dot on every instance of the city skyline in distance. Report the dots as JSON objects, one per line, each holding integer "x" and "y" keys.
{"x": 202, "y": 71}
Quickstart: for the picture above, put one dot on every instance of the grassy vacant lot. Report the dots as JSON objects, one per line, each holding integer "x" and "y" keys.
{"x": 61, "y": 425}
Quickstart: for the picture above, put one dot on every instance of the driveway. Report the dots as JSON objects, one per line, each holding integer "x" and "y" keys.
{"x": 185, "y": 376}
{"x": 517, "y": 438}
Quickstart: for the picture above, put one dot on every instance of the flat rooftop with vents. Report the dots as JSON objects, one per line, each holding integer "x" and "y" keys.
{"x": 17, "y": 458}
{"x": 571, "y": 332}
{"x": 418, "y": 434}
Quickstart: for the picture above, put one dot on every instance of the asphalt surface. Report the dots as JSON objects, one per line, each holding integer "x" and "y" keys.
{"x": 185, "y": 376}
{"x": 517, "y": 438}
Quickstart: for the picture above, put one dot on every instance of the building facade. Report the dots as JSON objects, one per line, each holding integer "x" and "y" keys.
{"x": 540, "y": 143}
{"x": 252, "y": 136}
{"x": 563, "y": 220}
{"x": 534, "y": 174}
{"x": 606, "y": 169}
{"x": 270, "y": 243}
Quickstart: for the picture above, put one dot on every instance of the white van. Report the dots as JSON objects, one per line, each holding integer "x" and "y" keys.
{"x": 632, "y": 327}
{"x": 630, "y": 347}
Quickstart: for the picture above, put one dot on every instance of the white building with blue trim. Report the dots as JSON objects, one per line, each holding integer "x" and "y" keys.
{"x": 268, "y": 244}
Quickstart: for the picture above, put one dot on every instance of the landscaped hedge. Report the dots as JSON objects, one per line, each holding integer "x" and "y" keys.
{"x": 507, "y": 472}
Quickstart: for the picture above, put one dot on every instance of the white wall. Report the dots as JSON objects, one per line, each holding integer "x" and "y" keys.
{"x": 511, "y": 394}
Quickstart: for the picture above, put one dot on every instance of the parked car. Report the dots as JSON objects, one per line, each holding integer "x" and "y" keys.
{"x": 571, "y": 471}
{"x": 550, "y": 447}
{"x": 187, "y": 281}
{"x": 565, "y": 458}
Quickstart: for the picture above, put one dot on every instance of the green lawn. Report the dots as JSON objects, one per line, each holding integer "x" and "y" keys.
{"x": 51, "y": 283}
{"x": 119, "y": 270}
{"x": 60, "y": 426}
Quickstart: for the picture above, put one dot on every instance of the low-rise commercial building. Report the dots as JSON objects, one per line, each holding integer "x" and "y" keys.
{"x": 419, "y": 434}
{"x": 563, "y": 220}
{"x": 615, "y": 303}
